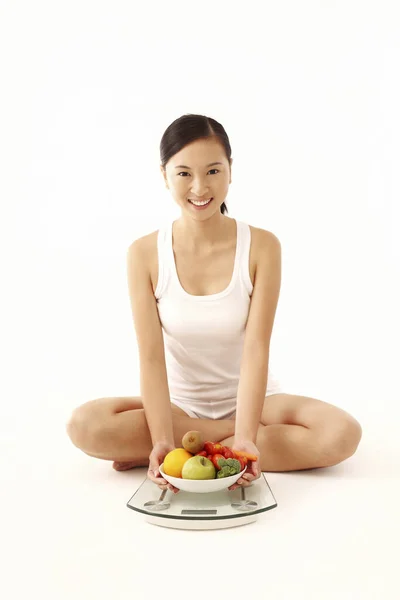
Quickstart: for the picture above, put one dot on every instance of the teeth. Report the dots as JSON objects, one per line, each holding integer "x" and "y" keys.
{"x": 200, "y": 203}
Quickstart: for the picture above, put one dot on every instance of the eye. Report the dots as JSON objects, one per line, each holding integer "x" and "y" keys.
{"x": 189, "y": 173}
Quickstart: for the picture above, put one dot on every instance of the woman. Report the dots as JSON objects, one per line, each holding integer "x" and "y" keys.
{"x": 204, "y": 291}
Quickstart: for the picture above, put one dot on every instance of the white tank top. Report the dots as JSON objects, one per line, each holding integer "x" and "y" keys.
{"x": 203, "y": 335}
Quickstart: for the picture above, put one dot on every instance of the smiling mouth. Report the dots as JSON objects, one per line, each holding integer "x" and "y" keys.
{"x": 200, "y": 203}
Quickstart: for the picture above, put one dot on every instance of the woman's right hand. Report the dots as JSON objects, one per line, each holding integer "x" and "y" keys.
{"x": 157, "y": 455}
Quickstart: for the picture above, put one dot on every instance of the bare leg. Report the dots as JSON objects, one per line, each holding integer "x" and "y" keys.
{"x": 104, "y": 429}
{"x": 292, "y": 448}
{"x": 304, "y": 433}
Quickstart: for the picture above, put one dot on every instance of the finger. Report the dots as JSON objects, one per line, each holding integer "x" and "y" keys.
{"x": 157, "y": 480}
{"x": 253, "y": 471}
{"x": 170, "y": 487}
{"x": 240, "y": 482}
{"x": 162, "y": 483}
{"x": 152, "y": 472}
{"x": 151, "y": 476}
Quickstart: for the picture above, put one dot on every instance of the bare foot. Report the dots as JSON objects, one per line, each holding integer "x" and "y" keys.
{"x": 123, "y": 466}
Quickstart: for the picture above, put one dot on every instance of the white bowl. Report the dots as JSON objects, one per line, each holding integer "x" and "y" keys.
{"x": 201, "y": 486}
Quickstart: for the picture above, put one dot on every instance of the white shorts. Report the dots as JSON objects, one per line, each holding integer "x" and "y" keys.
{"x": 220, "y": 409}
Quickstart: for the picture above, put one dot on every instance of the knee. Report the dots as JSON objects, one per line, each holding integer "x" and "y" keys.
{"x": 344, "y": 438}
{"x": 79, "y": 427}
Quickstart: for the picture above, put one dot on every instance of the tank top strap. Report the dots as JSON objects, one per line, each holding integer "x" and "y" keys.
{"x": 163, "y": 255}
{"x": 244, "y": 241}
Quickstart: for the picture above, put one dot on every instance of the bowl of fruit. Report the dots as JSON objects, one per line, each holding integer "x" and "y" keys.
{"x": 203, "y": 467}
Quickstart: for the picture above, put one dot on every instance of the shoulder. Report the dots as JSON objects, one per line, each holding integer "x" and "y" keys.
{"x": 264, "y": 240}
{"x": 145, "y": 248}
{"x": 144, "y": 244}
{"x": 267, "y": 253}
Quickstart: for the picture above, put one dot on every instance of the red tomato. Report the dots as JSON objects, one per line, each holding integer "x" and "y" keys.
{"x": 202, "y": 453}
{"x": 208, "y": 447}
{"x": 242, "y": 465}
{"x": 228, "y": 453}
{"x": 210, "y": 456}
{"x": 217, "y": 449}
{"x": 215, "y": 458}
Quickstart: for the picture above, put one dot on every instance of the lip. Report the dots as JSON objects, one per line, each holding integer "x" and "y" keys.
{"x": 200, "y": 207}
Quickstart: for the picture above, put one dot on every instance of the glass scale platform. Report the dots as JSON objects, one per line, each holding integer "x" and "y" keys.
{"x": 214, "y": 510}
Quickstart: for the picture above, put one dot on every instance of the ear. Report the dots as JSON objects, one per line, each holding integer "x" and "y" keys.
{"x": 164, "y": 174}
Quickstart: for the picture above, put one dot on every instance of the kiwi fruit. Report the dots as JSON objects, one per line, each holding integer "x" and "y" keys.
{"x": 193, "y": 442}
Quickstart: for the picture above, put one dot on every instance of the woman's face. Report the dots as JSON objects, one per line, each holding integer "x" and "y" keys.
{"x": 189, "y": 174}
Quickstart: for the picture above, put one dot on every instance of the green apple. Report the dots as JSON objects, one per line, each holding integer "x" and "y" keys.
{"x": 198, "y": 467}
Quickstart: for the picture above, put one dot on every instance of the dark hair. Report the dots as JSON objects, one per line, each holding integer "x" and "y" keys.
{"x": 187, "y": 129}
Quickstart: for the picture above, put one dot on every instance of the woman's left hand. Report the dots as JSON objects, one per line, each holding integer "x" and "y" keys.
{"x": 253, "y": 470}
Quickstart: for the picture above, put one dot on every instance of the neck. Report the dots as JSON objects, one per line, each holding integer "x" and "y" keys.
{"x": 201, "y": 235}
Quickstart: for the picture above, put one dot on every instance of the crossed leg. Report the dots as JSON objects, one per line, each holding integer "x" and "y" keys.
{"x": 295, "y": 433}
{"x": 116, "y": 429}
{"x": 299, "y": 432}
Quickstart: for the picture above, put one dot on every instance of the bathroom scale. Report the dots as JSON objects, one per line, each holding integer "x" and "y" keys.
{"x": 213, "y": 510}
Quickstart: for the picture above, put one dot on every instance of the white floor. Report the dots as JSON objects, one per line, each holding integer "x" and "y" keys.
{"x": 67, "y": 533}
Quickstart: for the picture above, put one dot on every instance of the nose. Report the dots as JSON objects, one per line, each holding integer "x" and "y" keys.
{"x": 199, "y": 190}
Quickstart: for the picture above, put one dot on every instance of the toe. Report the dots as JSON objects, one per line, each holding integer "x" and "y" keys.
{"x": 122, "y": 466}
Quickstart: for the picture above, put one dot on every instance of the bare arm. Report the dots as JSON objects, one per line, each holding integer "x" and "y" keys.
{"x": 153, "y": 373}
{"x": 255, "y": 360}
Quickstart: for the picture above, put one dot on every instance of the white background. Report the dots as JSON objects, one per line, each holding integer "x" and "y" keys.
{"x": 308, "y": 93}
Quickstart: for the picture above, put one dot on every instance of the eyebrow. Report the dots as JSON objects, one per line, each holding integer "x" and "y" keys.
{"x": 186, "y": 167}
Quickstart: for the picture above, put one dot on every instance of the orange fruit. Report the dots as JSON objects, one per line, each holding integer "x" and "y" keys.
{"x": 174, "y": 461}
